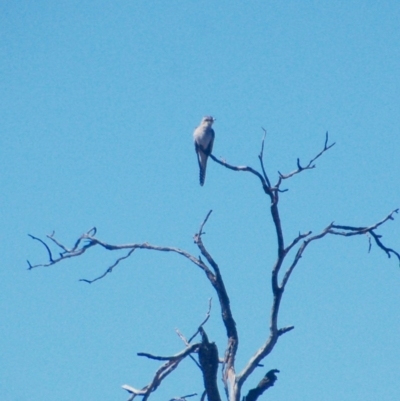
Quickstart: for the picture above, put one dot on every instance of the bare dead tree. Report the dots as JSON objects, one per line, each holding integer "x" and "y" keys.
{"x": 208, "y": 358}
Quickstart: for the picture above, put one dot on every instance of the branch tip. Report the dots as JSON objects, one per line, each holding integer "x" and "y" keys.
{"x": 284, "y": 330}
{"x": 45, "y": 245}
{"x": 201, "y": 232}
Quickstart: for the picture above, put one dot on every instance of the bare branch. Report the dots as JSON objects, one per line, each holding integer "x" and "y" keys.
{"x": 284, "y": 330}
{"x": 183, "y": 398}
{"x": 155, "y": 357}
{"x": 186, "y": 342}
{"x": 387, "y": 250}
{"x": 150, "y": 247}
{"x": 226, "y": 312}
{"x": 132, "y": 390}
{"x": 92, "y": 241}
{"x": 208, "y": 314}
{"x": 47, "y": 248}
{"x": 182, "y": 337}
{"x": 67, "y": 253}
{"x": 203, "y": 223}
{"x": 296, "y": 240}
{"x": 244, "y": 168}
{"x": 261, "y": 157}
{"x": 348, "y": 231}
{"x": 309, "y": 166}
{"x": 267, "y": 347}
{"x": 299, "y": 254}
{"x": 204, "y": 348}
{"x": 182, "y": 354}
{"x": 271, "y": 191}
{"x": 168, "y": 367}
{"x": 194, "y": 360}
{"x": 362, "y": 230}
{"x": 91, "y": 232}
{"x": 110, "y": 269}
{"x": 277, "y": 289}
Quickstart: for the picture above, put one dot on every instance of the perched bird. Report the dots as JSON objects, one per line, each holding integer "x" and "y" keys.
{"x": 268, "y": 381}
{"x": 203, "y": 137}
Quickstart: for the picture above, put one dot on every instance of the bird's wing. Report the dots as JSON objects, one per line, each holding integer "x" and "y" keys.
{"x": 209, "y": 149}
{"x": 198, "y": 150}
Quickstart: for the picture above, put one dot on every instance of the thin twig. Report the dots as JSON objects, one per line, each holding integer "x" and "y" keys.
{"x": 183, "y": 398}
{"x": 182, "y": 337}
{"x": 203, "y": 223}
{"x": 261, "y": 157}
{"x": 208, "y": 314}
{"x": 47, "y": 248}
{"x": 110, "y": 269}
{"x": 309, "y": 166}
{"x": 182, "y": 354}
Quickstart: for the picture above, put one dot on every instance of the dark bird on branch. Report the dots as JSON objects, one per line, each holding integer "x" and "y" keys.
{"x": 268, "y": 381}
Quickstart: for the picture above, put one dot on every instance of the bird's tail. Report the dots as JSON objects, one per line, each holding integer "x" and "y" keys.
{"x": 202, "y": 176}
{"x": 202, "y": 166}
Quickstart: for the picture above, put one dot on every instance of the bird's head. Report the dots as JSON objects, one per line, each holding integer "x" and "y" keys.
{"x": 207, "y": 120}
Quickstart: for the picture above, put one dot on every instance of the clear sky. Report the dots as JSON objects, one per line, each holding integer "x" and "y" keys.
{"x": 98, "y": 103}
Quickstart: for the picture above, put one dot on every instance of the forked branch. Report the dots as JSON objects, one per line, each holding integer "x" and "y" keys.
{"x": 171, "y": 364}
{"x": 265, "y": 182}
{"x": 90, "y": 241}
{"x": 226, "y": 313}
{"x": 308, "y": 166}
{"x": 278, "y": 290}
{"x": 213, "y": 273}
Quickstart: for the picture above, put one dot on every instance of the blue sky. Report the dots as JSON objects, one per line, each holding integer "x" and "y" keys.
{"x": 98, "y": 103}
